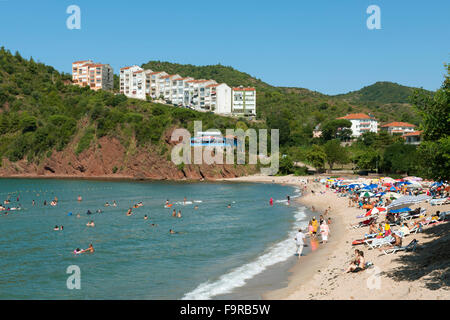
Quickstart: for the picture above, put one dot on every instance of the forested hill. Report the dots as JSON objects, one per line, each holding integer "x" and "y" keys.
{"x": 380, "y": 92}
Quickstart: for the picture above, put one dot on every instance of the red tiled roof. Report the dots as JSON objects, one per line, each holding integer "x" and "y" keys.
{"x": 243, "y": 89}
{"x": 398, "y": 124}
{"x": 414, "y": 133}
{"x": 80, "y": 61}
{"x": 356, "y": 116}
{"x": 213, "y": 85}
{"x": 125, "y": 68}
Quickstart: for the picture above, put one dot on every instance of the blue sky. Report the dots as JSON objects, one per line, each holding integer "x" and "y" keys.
{"x": 320, "y": 45}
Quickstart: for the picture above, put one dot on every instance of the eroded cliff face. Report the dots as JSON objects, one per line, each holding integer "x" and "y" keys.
{"x": 108, "y": 158}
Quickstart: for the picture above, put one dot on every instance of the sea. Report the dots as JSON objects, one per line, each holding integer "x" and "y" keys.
{"x": 217, "y": 252}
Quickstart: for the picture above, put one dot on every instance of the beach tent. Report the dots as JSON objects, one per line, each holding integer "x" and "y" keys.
{"x": 406, "y": 201}
{"x": 393, "y": 189}
{"x": 380, "y": 194}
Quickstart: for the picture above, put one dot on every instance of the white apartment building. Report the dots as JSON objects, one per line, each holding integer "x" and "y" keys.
{"x": 201, "y": 95}
{"x": 153, "y": 78}
{"x": 361, "y": 123}
{"x": 398, "y": 128}
{"x": 244, "y": 101}
{"x": 133, "y": 82}
{"x": 218, "y": 98}
{"x": 95, "y": 75}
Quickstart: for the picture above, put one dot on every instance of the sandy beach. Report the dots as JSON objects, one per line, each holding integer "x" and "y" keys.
{"x": 423, "y": 274}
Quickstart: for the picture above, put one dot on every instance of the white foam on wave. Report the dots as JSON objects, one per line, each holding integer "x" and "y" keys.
{"x": 198, "y": 201}
{"x": 182, "y": 202}
{"x": 278, "y": 252}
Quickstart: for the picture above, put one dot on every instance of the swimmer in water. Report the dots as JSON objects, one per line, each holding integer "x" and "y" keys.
{"x": 229, "y": 206}
{"x": 179, "y": 213}
{"x": 90, "y": 224}
{"x": 114, "y": 203}
{"x": 129, "y": 212}
{"x": 90, "y": 249}
{"x": 107, "y": 204}
{"x": 79, "y": 198}
{"x": 77, "y": 250}
{"x": 171, "y": 231}
{"x": 61, "y": 228}
{"x": 33, "y": 203}
{"x": 196, "y": 207}
{"x": 167, "y": 202}
{"x": 184, "y": 201}
{"x": 99, "y": 211}
{"x": 56, "y": 228}
{"x": 145, "y": 217}
{"x": 78, "y": 215}
{"x": 153, "y": 225}
{"x": 174, "y": 213}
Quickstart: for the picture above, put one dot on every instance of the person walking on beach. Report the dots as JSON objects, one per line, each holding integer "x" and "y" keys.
{"x": 299, "y": 242}
{"x": 324, "y": 231}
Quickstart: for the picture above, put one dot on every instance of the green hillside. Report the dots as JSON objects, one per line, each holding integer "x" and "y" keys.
{"x": 41, "y": 113}
{"x": 380, "y": 92}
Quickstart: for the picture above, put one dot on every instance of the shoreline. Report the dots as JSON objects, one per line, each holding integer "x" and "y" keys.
{"x": 320, "y": 274}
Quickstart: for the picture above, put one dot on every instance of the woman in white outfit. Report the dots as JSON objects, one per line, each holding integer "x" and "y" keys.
{"x": 324, "y": 231}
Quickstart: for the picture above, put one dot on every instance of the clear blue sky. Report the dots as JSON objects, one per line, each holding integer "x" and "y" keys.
{"x": 320, "y": 45}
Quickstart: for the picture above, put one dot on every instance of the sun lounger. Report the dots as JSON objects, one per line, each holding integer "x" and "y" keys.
{"x": 410, "y": 247}
{"x": 379, "y": 242}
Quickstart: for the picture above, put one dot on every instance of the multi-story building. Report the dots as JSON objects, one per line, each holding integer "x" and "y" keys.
{"x": 398, "y": 128}
{"x": 244, "y": 101}
{"x": 361, "y": 123}
{"x": 201, "y": 95}
{"x": 95, "y": 75}
{"x": 133, "y": 82}
{"x": 218, "y": 98}
{"x": 153, "y": 79}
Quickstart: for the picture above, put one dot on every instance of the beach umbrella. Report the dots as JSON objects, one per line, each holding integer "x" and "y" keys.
{"x": 392, "y": 195}
{"x": 406, "y": 201}
{"x": 393, "y": 189}
{"x": 368, "y": 194}
{"x": 380, "y": 194}
{"x": 375, "y": 210}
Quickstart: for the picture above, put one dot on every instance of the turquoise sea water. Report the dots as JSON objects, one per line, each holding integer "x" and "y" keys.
{"x": 217, "y": 250}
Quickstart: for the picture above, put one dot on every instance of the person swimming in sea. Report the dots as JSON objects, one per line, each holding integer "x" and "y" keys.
{"x": 56, "y": 228}
{"x": 196, "y": 207}
{"x": 79, "y": 199}
{"x": 107, "y": 204}
{"x": 174, "y": 213}
{"x": 179, "y": 213}
{"x": 88, "y": 212}
{"x": 145, "y": 217}
{"x": 90, "y": 224}
{"x": 229, "y": 206}
{"x": 114, "y": 203}
{"x": 129, "y": 212}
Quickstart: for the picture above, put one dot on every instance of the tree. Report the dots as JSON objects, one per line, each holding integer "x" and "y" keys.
{"x": 286, "y": 165}
{"x": 434, "y": 151}
{"x": 335, "y": 153}
{"x": 316, "y": 156}
{"x": 337, "y": 129}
